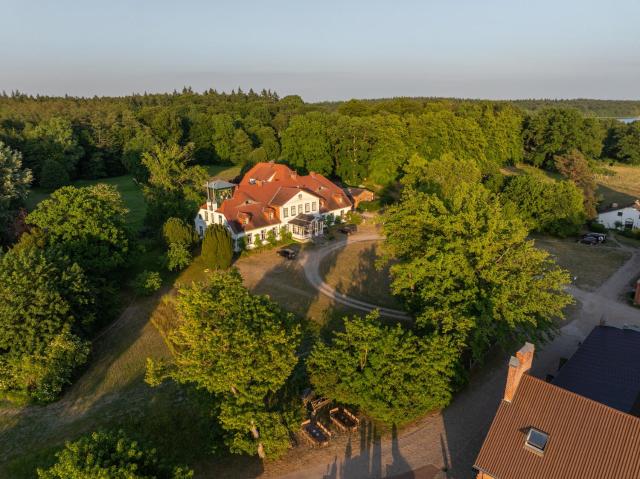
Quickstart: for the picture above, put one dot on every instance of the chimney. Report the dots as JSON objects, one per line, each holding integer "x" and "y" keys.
{"x": 518, "y": 365}
{"x": 636, "y": 298}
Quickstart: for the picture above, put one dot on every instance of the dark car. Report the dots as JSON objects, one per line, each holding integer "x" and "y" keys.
{"x": 288, "y": 253}
{"x": 589, "y": 240}
{"x": 348, "y": 229}
{"x": 601, "y": 237}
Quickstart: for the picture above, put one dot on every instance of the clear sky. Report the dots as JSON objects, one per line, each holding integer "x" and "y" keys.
{"x": 324, "y": 49}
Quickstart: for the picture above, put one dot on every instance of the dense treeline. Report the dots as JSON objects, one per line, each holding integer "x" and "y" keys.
{"x": 62, "y": 139}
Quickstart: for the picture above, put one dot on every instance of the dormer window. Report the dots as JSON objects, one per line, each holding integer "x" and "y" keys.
{"x": 536, "y": 440}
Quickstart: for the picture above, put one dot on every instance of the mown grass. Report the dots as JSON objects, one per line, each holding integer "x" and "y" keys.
{"x": 224, "y": 172}
{"x": 622, "y": 187}
{"x": 130, "y": 190}
{"x": 590, "y": 265}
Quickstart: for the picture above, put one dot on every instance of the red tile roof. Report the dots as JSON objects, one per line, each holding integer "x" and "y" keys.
{"x": 273, "y": 184}
{"x": 587, "y": 439}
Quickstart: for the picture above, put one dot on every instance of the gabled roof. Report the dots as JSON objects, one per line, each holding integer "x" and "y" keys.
{"x": 606, "y": 368}
{"x": 587, "y": 439}
{"x": 273, "y": 184}
{"x": 617, "y": 207}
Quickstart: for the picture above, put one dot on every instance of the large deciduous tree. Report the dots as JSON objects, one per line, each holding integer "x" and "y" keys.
{"x": 547, "y": 206}
{"x": 241, "y": 348}
{"x": 466, "y": 269}
{"x": 306, "y": 144}
{"x": 389, "y": 373}
{"x": 87, "y": 224}
{"x": 174, "y": 186}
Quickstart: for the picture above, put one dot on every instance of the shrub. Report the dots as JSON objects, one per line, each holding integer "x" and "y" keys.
{"x": 217, "y": 247}
{"x": 271, "y": 238}
{"x": 109, "y": 455}
{"x": 178, "y": 257}
{"x": 53, "y": 175}
{"x": 354, "y": 218}
{"x": 369, "y": 205}
{"x": 176, "y": 230}
{"x": 147, "y": 282}
{"x": 597, "y": 227}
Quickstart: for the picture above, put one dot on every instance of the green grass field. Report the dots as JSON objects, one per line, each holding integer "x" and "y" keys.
{"x": 224, "y": 172}
{"x": 128, "y": 188}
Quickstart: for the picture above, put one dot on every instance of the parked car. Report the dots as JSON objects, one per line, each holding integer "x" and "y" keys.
{"x": 589, "y": 240}
{"x": 601, "y": 237}
{"x": 288, "y": 253}
{"x": 348, "y": 229}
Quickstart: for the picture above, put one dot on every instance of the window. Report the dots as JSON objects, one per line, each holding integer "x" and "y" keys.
{"x": 313, "y": 206}
{"x": 619, "y": 213}
{"x": 299, "y": 209}
{"x": 262, "y": 235}
{"x": 300, "y": 196}
{"x": 219, "y": 219}
{"x": 285, "y": 212}
{"x": 206, "y": 216}
{"x": 249, "y": 238}
{"x": 306, "y": 207}
{"x": 537, "y": 440}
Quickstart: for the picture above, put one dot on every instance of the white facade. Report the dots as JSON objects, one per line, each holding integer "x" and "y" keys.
{"x": 303, "y": 203}
{"x": 628, "y": 217}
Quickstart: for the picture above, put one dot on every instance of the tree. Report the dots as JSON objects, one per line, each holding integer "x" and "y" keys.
{"x": 217, "y": 247}
{"x": 351, "y": 140}
{"x": 55, "y": 140}
{"x": 389, "y": 151}
{"x": 45, "y": 305}
{"x": 109, "y": 455}
{"x": 390, "y": 373}
{"x": 441, "y": 176}
{"x": 14, "y": 187}
{"x": 178, "y": 256}
{"x": 241, "y": 348}
{"x": 554, "y": 207}
{"x": 87, "y": 224}
{"x": 53, "y": 175}
{"x": 241, "y": 147}
{"x": 173, "y": 188}
{"x": 627, "y": 143}
{"x": 176, "y": 230}
{"x": 575, "y": 167}
{"x": 557, "y": 131}
{"x": 223, "y": 133}
{"x": 306, "y": 144}
{"x": 466, "y": 269}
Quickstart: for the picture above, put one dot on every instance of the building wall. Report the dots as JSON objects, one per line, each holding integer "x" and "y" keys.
{"x": 609, "y": 218}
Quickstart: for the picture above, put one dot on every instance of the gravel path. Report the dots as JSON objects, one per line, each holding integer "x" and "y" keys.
{"x": 310, "y": 261}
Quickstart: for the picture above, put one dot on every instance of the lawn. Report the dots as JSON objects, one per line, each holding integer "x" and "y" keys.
{"x": 224, "y": 172}
{"x": 622, "y": 187}
{"x": 591, "y": 265}
{"x": 351, "y": 271}
{"x": 128, "y": 188}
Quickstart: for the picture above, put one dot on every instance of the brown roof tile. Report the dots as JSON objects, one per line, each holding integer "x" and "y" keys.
{"x": 586, "y": 439}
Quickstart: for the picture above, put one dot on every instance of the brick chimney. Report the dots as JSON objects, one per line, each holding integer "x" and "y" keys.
{"x": 518, "y": 365}
{"x": 636, "y": 298}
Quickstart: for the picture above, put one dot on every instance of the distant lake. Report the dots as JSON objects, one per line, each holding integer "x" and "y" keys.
{"x": 627, "y": 120}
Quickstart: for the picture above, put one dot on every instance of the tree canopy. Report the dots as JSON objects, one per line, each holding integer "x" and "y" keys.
{"x": 389, "y": 373}
{"x": 241, "y": 348}
{"x": 86, "y": 224}
{"x": 466, "y": 269}
{"x": 110, "y": 455}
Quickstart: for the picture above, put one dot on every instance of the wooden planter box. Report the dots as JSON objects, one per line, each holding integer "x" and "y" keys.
{"x": 343, "y": 419}
{"x": 316, "y": 433}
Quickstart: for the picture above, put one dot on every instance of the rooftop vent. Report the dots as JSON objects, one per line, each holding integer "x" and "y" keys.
{"x": 537, "y": 440}
{"x": 252, "y": 181}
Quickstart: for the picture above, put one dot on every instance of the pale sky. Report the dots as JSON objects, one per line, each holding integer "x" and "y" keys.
{"x": 324, "y": 50}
